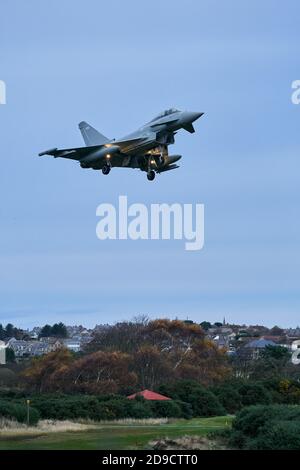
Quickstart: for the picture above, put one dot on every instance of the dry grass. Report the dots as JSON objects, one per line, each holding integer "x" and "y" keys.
{"x": 129, "y": 422}
{"x": 13, "y": 428}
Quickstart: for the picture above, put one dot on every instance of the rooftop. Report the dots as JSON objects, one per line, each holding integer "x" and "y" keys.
{"x": 149, "y": 395}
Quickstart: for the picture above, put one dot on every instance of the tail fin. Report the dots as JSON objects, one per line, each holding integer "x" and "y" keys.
{"x": 91, "y": 136}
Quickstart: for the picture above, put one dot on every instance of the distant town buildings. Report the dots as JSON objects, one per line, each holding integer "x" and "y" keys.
{"x": 30, "y": 348}
{"x": 244, "y": 341}
{"x": 35, "y": 346}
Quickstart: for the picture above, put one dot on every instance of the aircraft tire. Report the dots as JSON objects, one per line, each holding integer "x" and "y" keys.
{"x": 151, "y": 175}
{"x": 106, "y": 169}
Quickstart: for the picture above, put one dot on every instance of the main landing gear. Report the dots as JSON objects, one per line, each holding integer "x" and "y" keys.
{"x": 151, "y": 175}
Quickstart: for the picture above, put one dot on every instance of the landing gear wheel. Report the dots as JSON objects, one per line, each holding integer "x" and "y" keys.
{"x": 151, "y": 175}
{"x": 106, "y": 169}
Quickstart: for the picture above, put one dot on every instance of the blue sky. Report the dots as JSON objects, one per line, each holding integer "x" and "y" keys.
{"x": 116, "y": 65}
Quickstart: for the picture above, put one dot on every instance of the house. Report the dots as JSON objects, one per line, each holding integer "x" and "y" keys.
{"x": 72, "y": 344}
{"x": 260, "y": 343}
{"x": 149, "y": 395}
{"x": 221, "y": 340}
{"x": 32, "y": 348}
{"x": 253, "y": 349}
{"x": 85, "y": 339}
{"x": 53, "y": 342}
{"x": 38, "y": 348}
{"x": 293, "y": 332}
{"x": 20, "y": 347}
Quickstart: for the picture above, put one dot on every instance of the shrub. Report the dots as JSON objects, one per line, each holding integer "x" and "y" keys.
{"x": 8, "y": 378}
{"x": 105, "y": 407}
{"x": 267, "y": 427}
{"x": 282, "y": 435}
{"x": 202, "y": 401}
{"x": 254, "y": 394}
{"x": 229, "y": 398}
{"x": 186, "y": 409}
{"x": 18, "y": 412}
{"x": 166, "y": 409}
{"x": 140, "y": 410}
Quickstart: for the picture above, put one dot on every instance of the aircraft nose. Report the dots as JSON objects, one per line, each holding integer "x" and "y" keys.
{"x": 193, "y": 116}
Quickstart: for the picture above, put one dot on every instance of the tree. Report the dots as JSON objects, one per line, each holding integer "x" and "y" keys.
{"x": 163, "y": 348}
{"x": 10, "y": 355}
{"x": 140, "y": 354}
{"x": 204, "y": 362}
{"x": 276, "y": 331}
{"x": 276, "y": 352}
{"x": 206, "y": 325}
{"x": 172, "y": 335}
{"x": 59, "y": 330}
{"x": 273, "y": 362}
{"x": 123, "y": 336}
{"x": 2, "y": 332}
{"x": 99, "y": 372}
{"x": 254, "y": 393}
{"x": 45, "y": 331}
{"x": 9, "y": 330}
{"x": 151, "y": 366}
{"x": 39, "y": 375}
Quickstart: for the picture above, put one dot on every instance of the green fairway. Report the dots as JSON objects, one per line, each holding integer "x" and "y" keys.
{"x": 112, "y": 437}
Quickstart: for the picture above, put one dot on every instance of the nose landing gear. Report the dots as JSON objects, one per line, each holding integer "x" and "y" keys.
{"x": 106, "y": 169}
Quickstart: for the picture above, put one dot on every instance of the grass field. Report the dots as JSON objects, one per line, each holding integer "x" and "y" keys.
{"x": 114, "y": 436}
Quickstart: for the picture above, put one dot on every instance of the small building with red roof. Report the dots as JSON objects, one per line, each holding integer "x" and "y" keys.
{"x": 148, "y": 395}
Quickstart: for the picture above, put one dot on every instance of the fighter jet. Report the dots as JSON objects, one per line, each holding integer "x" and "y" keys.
{"x": 146, "y": 148}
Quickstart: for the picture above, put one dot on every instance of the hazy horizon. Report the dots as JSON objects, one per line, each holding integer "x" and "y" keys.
{"x": 92, "y": 321}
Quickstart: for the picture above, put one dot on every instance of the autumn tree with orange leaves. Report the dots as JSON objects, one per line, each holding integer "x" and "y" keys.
{"x": 39, "y": 376}
{"x": 132, "y": 354}
{"x": 99, "y": 372}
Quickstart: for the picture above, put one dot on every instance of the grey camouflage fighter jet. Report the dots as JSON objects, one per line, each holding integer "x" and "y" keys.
{"x": 146, "y": 148}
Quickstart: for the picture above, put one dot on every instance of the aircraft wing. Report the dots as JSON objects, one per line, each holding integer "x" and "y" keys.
{"x": 81, "y": 152}
{"x": 129, "y": 144}
{"x": 72, "y": 153}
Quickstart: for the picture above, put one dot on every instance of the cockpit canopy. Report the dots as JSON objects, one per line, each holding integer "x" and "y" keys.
{"x": 165, "y": 113}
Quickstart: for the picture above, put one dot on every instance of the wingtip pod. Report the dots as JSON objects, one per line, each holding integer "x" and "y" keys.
{"x": 48, "y": 152}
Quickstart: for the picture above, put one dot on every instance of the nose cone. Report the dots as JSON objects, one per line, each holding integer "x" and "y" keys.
{"x": 194, "y": 116}
{"x": 189, "y": 116}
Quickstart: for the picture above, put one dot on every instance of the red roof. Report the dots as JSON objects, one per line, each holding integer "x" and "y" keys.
{"x": 148, "y": 395}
